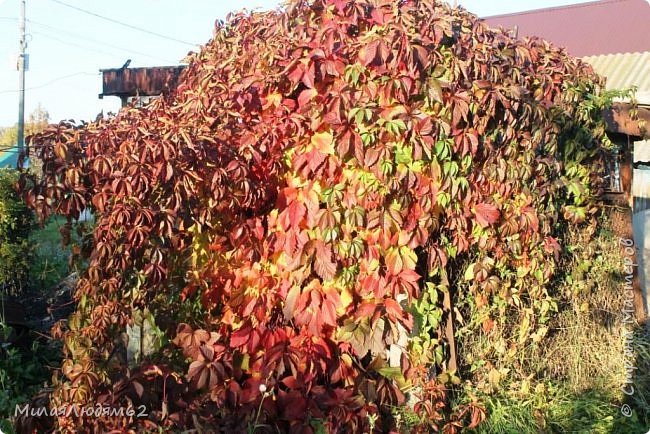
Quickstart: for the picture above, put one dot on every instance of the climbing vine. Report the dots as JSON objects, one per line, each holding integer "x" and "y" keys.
{"x": 296, "y": 214}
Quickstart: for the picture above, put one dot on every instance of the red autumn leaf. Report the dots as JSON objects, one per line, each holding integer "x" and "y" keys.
{"x": 340, "y": 4}
{"x": 306, "y": 96}
{"x": 530, "y": 219}
{"x": 324, "y": 266}
{"x": 552, "y": 246}
{"x": 309, "y": 76}
{"x": 366, "y": 309}
{"x": 240, "y": 337}
{"x": 312, "y": 159}
{"x": 99, "y": 201}
{"x": 486, "y": 214}
{"x": 191, "y": 340}
{"x": 328, "y": 311}
{"x": 376, "y": 52}
{"x": 296, "y": 212}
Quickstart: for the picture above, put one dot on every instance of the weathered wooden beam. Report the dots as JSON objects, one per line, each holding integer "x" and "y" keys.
{"x": 620, "y": 120}
{"x": 129, "y": 82}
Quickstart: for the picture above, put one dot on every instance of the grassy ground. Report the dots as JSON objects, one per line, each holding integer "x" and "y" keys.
{"x": 50, "y": 264}
{"x": 571, "y": 381}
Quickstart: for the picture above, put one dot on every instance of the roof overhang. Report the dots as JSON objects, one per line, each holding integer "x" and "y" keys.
{"x": 621, "y": 118}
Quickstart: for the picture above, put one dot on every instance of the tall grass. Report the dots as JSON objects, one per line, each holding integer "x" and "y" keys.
{"x": 50, "y": 262}
{"x": 569, "y": 382}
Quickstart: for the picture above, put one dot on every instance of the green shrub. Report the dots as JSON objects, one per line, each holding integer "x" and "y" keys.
{"x": 16, "y": 221}
{"x": 23, "y": 374}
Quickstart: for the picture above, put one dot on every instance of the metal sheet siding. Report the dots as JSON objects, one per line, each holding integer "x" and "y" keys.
{"x": 625, "y": 70}
{"x": 9, "y": 158}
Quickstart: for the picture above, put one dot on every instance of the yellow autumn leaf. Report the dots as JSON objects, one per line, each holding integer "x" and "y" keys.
{"x": 409, "y": 258}
{"x": 494, "y": 377}
{"x": 324, "y": 142}
{"x": 373, "y": 265}
{"x": 273, "y": 99}
{"x": 346, "y": 299}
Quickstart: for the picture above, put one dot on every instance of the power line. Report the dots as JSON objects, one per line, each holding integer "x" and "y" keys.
{"x": 72, "y": 44}
{"x": 86, "y": 47}
{"x": 130, "y": 26}
{"x": 12, "y": 149}
{"x": 50, "y": 82}
{"x": 79, "y": 36}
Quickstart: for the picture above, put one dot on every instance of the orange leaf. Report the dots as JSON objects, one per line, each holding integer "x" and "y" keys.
{"x": 290, "y": 302}
{"x": 393, "y": 309}
{"x": 324, "y": 142}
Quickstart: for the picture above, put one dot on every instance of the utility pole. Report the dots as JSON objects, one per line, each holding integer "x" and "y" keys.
{"x": 21, "y": 83}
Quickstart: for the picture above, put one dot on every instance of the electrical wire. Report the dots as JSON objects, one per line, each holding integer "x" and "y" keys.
{"x": 13, "y": 148}
{"x": 73, "y": 44}
{"x": 50, "y": 82}
{"x": 79, "y": 36}
{"x": 130, "y": 26}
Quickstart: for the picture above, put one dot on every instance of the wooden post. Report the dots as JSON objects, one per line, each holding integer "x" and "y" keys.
{"x": 452, "y": 364}
{"x": 620, "y": 212}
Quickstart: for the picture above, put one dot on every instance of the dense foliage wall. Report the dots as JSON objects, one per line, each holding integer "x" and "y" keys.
{"x": 296, "y": 213}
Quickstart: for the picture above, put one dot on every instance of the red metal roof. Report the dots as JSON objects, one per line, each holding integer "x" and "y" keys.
{"x": 586, "y": 29}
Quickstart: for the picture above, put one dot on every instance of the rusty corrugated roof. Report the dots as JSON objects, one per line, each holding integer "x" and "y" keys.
{"x": 625, "y": 70}
{"x": 586, "y": 29}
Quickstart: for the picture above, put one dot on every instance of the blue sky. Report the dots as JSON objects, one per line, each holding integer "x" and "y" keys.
{"x": 67, "y": 48}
